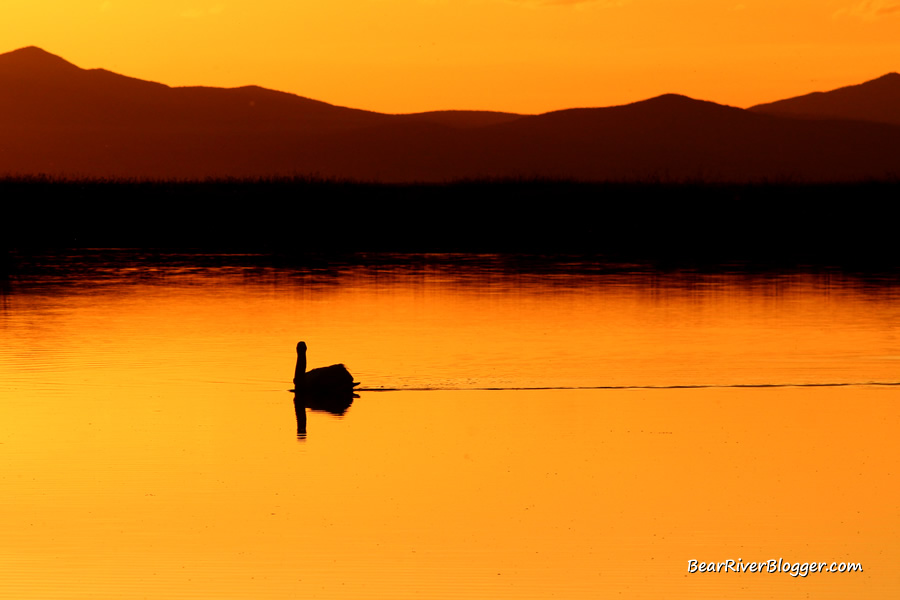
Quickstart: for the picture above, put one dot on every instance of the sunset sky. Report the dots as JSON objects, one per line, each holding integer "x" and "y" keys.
{"x": 524, "y": 56}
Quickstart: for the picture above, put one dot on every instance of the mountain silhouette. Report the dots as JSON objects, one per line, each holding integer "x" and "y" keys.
{"x": 58, "y": 119}
{"x": 877, "y": 100}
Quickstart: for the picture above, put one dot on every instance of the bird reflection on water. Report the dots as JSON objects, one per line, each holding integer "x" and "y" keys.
{"x": 328, "y": 389}
{"x": 335, "y": 405}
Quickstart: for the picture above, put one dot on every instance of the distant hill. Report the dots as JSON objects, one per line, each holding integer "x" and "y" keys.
{"x": 877, "y": 100}
{"x": 59, "y": 119}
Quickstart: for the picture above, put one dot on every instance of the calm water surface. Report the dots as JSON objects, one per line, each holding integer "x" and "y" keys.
{"x": 524, "y": 430}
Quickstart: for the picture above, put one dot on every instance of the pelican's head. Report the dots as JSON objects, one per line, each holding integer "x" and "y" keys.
{"x": 301, "y": 347}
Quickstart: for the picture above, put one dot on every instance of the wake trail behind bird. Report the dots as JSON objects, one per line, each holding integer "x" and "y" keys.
{"x": 628, "y": 387}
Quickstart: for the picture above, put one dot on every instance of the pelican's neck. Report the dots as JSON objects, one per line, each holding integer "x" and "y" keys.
{"x": 300, "y": 370}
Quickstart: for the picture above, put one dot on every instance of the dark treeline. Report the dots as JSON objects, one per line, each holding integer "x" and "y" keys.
{"x": 767, "y": 223}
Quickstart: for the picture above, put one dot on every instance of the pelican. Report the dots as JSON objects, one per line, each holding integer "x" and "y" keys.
{"x": 333, "y": 380}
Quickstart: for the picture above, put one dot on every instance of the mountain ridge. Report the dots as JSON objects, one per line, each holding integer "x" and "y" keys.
{"x": 876, "y": 100}
{"x": 59, "y": 119}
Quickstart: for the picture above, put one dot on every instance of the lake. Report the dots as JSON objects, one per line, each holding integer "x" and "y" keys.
{"x": 524, "y": 428}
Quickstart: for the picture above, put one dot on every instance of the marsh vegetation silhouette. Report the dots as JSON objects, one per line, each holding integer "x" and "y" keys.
{"x": 326, "y": 389}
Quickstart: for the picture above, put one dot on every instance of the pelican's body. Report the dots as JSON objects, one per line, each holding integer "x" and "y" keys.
{"x": 331, "y": 380}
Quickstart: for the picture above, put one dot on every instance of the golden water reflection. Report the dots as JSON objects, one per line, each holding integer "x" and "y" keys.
{"x": 150, "y": 444}
{"x": 439, "y": 494}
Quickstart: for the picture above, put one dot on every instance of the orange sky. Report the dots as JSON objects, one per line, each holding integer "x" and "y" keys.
{"x": 516, "y": 55}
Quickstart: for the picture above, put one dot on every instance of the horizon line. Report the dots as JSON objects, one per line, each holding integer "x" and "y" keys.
{"x": 439, "y": 110}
